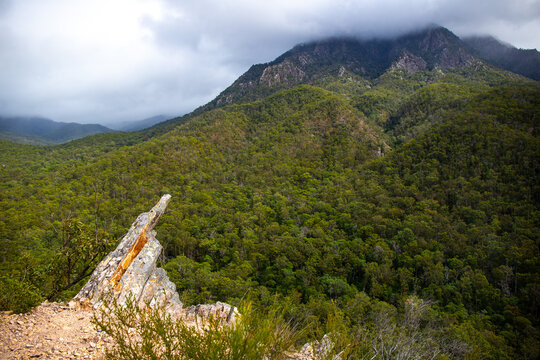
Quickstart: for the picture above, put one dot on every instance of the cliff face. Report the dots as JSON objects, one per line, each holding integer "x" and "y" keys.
{"x": 130, "y": 270}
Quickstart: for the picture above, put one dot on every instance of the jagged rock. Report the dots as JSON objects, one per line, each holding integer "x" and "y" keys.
{"x": 318, "y": 350}
{"x": 127, "y": 269}
{"x": 131, "y": 271}
{"x": 224, "y": 312}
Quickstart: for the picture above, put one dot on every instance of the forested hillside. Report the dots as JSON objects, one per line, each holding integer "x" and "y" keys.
{"x": 359, "y": 192}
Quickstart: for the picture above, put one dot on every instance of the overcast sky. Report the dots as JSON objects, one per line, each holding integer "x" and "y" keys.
{"x": 116, "y": 60}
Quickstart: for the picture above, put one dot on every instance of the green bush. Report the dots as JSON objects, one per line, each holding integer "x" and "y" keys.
{"x": 413, "y": 332}
{"x": 146, "y": 333}
{"x": 17, "y": 296}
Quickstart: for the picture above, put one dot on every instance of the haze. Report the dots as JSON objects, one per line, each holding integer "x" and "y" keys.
{"x": 107, "y": 61}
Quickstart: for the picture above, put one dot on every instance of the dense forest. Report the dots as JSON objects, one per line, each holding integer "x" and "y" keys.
{"x": 343, "y": 192}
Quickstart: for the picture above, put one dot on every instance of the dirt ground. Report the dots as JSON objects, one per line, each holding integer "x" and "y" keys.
{"x": 50, "y": 331}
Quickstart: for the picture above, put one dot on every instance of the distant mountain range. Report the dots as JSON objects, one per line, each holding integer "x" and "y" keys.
{"x": 37, "y": 130}
{"x": 521, "y": 61}
{"x": 42, "y": 131}
{"x": 139, "y": 124}
{"x": 316, "y": 63}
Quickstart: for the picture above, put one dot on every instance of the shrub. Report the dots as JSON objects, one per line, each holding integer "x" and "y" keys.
{"x": 19, "y": 297}
{"x": 150, "y": 333}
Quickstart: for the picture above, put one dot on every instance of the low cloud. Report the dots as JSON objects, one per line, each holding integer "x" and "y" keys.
{"x": 116, "y": 60}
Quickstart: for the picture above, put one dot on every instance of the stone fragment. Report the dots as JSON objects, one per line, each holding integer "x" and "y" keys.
{"x": 222, "y": 311}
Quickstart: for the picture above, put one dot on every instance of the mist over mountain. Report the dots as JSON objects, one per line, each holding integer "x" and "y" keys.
{"x": 432, "y": 48}
{"x": 45, "y": 131}
{"x": 521, "y": 61}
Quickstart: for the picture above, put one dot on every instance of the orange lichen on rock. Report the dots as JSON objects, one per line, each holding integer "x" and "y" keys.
{"x": 136, "y": 248}
{"x": 127, "y": 269}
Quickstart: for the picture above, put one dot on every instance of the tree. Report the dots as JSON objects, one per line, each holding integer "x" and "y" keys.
{"x": 80, "y": 251}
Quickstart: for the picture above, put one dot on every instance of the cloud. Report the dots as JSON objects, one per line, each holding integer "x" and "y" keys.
{"x": 117, "y": 60}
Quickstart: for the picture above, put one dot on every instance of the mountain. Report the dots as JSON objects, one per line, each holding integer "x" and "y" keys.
{"x": 348, "y": 180}
{"x": 521, "y": 61}
{"x": 45, "y": 131}
{"x": 311, "y": 63}
{"x": 380, "y": 77}
{"x": 138, "y": 125}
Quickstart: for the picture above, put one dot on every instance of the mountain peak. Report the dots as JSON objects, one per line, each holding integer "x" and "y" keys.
{"x": 432, "y": 39}
{"x": 306, "y": 63}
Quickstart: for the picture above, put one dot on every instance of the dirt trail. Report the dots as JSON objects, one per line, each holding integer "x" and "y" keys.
{"x": 50, "y": 331}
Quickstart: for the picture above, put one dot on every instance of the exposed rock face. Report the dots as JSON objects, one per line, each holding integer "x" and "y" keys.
{"x": 455, "y": 59}
{"x": 284, "y": 73}
{"x": 222, "y": 311}
{"x": 130, "y": 270}
{"x": 410, "y": 62}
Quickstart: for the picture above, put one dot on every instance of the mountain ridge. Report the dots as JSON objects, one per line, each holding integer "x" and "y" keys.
{"x": 420, "y": 50}
{"x": 138, "y": 125}
{"x": 428, "y": 49}
{"x": 525, "y": 62}
{"x": 45, "y": 131}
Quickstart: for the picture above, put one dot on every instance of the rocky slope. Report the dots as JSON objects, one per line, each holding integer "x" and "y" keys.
{"x": 50, "y": 331}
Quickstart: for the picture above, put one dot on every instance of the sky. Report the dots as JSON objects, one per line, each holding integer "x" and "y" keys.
{"x": 108, "y": 61}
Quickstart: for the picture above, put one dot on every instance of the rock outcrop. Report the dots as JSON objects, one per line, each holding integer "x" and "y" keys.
{"x": 410, "y": 62}
{"x": 131, "y": 271}
{"x": 285, "y": 73}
